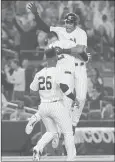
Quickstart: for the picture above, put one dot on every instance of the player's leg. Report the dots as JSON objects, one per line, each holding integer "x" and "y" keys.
{"x": 46, "y": 138}
{"x": 81, "y": 90}
{"x": 69, "y": 80}
{"x": 50, "y": 128}
{"x": 32, "y": 122}
{"x": 62, "y": 117}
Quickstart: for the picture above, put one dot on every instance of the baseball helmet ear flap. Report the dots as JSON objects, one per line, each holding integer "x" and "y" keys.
{"x": 72, "y": 17}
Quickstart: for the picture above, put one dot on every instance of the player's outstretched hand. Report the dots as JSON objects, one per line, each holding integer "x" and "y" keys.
{"x": 32, "y": 7}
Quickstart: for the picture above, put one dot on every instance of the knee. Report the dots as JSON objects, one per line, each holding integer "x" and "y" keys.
{"x": 37, "y": 115}
{"x": 53, "y": 134}
{"x": 69, "y": 135}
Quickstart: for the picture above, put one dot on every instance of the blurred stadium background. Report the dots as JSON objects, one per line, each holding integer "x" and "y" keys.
{"x": 22, "y": 40}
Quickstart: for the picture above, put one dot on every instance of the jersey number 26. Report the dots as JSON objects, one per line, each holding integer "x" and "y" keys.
{"x": 45, "y": 83}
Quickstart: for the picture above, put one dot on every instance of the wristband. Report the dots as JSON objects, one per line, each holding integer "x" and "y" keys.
{"x": 68, "y": 51}
{"x": 71, "y": 96}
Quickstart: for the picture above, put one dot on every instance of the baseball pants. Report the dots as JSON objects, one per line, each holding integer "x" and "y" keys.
{"x": 80, "y": 89}
{"x": 53, "y": 114}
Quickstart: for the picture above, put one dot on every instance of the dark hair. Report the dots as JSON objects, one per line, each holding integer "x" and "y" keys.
{"x": 104, "y": 17}
{"x": 97, "y": 72}
{"x": 50, "y": 53}
{"x": 16, "y": 61}
{"x": 52, "y": 34}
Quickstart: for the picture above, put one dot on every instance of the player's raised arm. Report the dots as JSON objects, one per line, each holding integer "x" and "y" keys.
{"x": 40, "y": 23}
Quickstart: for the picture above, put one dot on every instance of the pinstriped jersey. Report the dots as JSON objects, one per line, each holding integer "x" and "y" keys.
{"x": 47, "y": 83}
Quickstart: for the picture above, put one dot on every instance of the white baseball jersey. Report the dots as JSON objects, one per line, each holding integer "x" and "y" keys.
{"x": 47, "y": 82}
{"x": 78, "y": 36}
{"x": 65, "y": 62}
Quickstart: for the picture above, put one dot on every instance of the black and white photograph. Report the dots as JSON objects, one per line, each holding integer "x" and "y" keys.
{"x": 57, "y": 81}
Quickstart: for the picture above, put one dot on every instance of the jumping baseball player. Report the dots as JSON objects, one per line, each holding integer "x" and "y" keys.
{"x": 72, "y": 32}
{"x": 77, "y": 74}
{"x": 50, "y": 85}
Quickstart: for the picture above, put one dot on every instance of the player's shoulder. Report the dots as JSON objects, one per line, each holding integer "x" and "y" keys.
{"x": 41, "y": 72}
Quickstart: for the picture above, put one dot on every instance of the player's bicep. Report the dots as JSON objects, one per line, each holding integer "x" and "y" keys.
{"x": 34, "y": 84}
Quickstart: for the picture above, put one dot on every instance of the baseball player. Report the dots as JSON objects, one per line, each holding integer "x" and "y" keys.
{"x": 77, "y": 77}
{"x": 72, "y": 32}
{"x": 65, "y": 64}
{"x": 50, "y": 85}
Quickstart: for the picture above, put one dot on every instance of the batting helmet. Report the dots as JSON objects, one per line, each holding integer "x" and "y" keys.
{"x": 72, "y": 17}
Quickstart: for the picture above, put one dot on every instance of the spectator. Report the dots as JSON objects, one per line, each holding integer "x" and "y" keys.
{"x": 108, "y": 26}
{"x": 95, "y": 89}
{"x": 108, "y": 112}
{"x": 41, "y": 39}
{"x": 4, "y": 103}
{"x": 97, "y": 80}
{"x": 7, "y": 87}
{"x": 27, "y": 29}
{"x": 29, "y": 69}
{"x": 11, "y": 32}
{"x": 52, "y": 10}
{"x": 64, "y": 4}
{"x": 17, "y": 79}
{"x": 65, "y": 11}
{"x": 20, "y": 113}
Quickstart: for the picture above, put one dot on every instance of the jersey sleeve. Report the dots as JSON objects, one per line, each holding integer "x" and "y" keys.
{"x": 55, "y": 29}
{"x": 34, "y": 84}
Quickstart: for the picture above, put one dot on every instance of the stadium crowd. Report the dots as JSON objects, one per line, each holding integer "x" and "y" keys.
{"x": 21, "y": 39}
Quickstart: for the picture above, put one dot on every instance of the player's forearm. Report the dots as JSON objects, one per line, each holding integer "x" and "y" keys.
{"x": 77, "y": 52}
{"x": 41, "y": 24}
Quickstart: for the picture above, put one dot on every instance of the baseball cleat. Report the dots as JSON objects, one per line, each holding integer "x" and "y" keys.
{"x": 36, "y": 154}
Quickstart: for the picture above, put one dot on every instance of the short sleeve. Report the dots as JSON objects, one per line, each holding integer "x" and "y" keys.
{"x": 34, "y": 84}
{"x": 55, "y": 29}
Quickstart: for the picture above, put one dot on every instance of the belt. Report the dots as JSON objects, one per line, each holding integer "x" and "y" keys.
{"x": 50, "y": 101}
{"x": 79, "y": 64}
